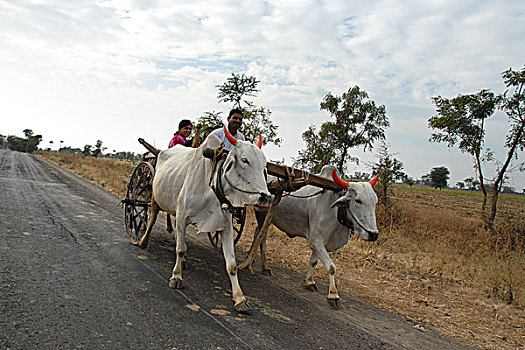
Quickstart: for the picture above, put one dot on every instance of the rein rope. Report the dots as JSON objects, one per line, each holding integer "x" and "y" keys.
{"x": 289, "y": 194}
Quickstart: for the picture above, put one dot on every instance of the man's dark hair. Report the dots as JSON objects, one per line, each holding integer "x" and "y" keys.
{"x": 235, "y": 111}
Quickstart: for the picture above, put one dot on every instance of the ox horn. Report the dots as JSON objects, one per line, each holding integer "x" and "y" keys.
{"x": 229, "y": 136}
{"x": 374, "y": 180}
{"x": 259, "y": 143}
{"x": 338, "y": 180}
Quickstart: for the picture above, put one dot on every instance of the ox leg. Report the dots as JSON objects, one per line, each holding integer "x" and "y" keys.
{"x": 309, "y": 280}
{"x": 239, "y": 301}
{"x": 333, "y": 295}
{"x": 180, "y": 250}
{"x": 143, "y": 243}
{"x": 169, "y": 227}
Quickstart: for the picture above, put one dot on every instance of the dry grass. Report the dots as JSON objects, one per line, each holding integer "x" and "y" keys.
{"x": 434, "y": 263}
{"x": 111, "y": 174}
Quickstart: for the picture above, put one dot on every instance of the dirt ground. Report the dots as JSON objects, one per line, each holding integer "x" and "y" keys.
{"x": 381, "y": 274}
{"x": 438, "y": 276}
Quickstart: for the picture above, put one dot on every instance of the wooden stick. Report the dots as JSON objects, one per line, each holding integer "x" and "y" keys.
{"x": 262, "y": 233}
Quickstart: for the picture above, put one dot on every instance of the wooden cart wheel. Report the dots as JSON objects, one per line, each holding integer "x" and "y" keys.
{"x": 137, "y": 203}
{"x": 238, "y": 221}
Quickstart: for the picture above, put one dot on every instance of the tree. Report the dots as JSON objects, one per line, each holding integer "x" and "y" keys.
{"x": 410, "y": 181}
{"x": 87, "y": 150}
{"x": 210, "y": 121}
{"x": 28, "y": 144}
{"x": 462, "y": 121}
{"x": 512, "y": 102}
{"x": 28, "y": 133}
{"x": 439, "y": 177}
{"x": 256, "y": 120}
{"x": 318, "y": 151}
{"x": 389, "y": 169}
{"x": 460, "y": 185}
{"x": 358, "y": 123}
{"x": 3, "y": 141}
{"x": 97, "y": 151}
{"x": 236, "y": 88}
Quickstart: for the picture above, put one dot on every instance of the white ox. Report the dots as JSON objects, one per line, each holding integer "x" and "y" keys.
{"x": 313, "y": 214}
{"x": 181, "y": 188}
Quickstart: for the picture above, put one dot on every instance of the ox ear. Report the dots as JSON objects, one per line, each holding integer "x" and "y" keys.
{"x": 345, "y": 199}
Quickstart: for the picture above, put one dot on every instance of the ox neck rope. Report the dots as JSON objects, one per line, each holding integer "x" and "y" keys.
{"x": 218, "y": 188}
{"x": 353, "y": 217}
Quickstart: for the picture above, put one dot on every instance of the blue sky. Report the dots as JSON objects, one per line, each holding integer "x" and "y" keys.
{"x": 116, "y": 70}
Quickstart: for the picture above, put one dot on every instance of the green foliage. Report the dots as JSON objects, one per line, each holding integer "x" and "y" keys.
{"x": 210, "y": 121}
{"x": 318, "y": 153}
{"x": 3, "y": 141}
{"x": 358, "y": 123}
{"x": 29, "y": 144}
{"x": 438, "y": 177}
{"x": 256, "y": 120}
{"x": 236, "y": 88}
{"x": 98, "y": 149}
{"x": 513, "y": 104}
{"x": 461, "y": 120}
{"x": 87, "y": 150}
{"x": 389, "y": 170}
{"x": 410, "y": 181}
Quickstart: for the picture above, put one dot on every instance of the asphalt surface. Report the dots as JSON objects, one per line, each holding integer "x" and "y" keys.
{"x": 70, "y": 279}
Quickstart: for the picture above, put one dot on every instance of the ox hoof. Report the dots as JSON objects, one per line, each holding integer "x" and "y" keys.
{"x": 176, "y": 283}
{"x": 266, "y": 272}
{"x": 142, "y": 244}
{"x": 243, "y": 307}
{"x": 311, "y": 287}
{"x": 334, "y": 303}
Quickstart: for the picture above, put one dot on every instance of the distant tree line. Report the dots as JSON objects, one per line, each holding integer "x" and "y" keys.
{"x": 27, "y": 144}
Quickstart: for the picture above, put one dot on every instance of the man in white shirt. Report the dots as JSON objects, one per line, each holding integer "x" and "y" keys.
{"x": 234, "y": 124}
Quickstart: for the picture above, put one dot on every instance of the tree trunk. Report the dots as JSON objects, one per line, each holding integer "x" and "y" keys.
{"x": 498, "y": 184}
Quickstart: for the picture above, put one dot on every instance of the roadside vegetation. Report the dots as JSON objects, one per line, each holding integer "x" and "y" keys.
{"x": 434, "y": 263}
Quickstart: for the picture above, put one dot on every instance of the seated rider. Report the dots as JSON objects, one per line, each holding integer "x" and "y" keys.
{"x": 234, "y": 124}
{"x": 181, "y": 136}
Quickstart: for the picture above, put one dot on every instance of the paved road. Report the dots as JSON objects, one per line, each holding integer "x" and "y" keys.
{"x": 70, "y": 279}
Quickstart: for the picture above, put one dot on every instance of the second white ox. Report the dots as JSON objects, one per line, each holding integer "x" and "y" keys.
{"x": 181, "y": 187}
{"x": 313, "y": 214}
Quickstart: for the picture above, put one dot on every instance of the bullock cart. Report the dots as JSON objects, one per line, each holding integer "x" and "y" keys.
{"x": 137, "y": 203}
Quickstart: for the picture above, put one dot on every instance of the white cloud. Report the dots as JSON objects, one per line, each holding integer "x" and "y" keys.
{"x": 130, "y": 68}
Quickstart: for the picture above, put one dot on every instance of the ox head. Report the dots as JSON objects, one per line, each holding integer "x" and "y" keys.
{"x": 245, "y": 174}
{"x": 360, "y": 201}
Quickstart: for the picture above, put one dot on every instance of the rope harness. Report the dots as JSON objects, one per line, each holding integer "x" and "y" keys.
{"x": 218, "y": 160}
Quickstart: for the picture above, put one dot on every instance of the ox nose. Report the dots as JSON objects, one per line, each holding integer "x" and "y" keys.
{"x": 264, "y": 198}
{"x": 372, "y": 236}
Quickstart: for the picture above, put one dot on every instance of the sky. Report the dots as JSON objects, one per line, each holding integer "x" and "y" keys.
{"x": 116, "y": 70}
